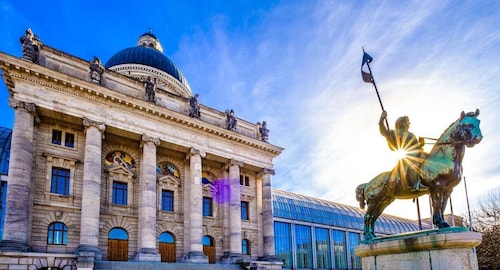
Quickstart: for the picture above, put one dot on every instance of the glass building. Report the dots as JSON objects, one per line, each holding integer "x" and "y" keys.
{"x": 311, "y": 233}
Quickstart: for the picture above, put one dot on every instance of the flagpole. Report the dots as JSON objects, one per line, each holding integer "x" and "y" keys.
{"x": 376, "y": 89}
{"x": 468, "y": 210}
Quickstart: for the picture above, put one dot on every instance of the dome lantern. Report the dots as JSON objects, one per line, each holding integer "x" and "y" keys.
{"x": 149, "y": 40}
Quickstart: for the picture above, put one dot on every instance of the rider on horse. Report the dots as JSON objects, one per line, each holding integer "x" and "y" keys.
{"x": 402, "y": 139}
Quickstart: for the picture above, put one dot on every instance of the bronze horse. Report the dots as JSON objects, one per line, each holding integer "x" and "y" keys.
{"x": 440, "y": 171}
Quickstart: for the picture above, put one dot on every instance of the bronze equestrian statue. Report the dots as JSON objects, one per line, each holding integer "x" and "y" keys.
{"x": 439, "y": 172}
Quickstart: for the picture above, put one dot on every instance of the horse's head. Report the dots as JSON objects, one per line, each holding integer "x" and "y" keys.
{"x": 466, "y": 130}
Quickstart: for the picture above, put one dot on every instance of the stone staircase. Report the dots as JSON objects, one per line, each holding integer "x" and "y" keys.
{"x": 109, "y": 265}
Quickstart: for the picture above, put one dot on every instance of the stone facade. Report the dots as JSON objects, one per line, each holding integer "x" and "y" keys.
{"x": 107, "y": 134}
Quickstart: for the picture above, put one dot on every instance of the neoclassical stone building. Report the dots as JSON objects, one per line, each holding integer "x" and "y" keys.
{"x": 120, "y": 162}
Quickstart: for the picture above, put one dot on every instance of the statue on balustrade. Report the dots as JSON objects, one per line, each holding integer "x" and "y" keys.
{"x": 96, "y": 70}
{"x": 230, "y": 120}
{"x": 31, "y": 46}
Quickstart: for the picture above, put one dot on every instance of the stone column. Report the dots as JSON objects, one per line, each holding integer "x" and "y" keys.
{"x": 147, "y": 202}
{"x": 267, "y": 215}
{"x": 17, "y": 218}
{"x": 195, "y": 200}
{"x": 234, "y": 210}
{"x": 91, "y": 190}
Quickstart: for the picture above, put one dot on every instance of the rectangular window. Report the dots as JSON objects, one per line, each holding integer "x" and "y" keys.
{"x": 56, "y": 137}
{"x": 3, "y": 199}
{"x": 69, "y": 140}
{"x": 323, "y": 258}
{"x": 167, "y": 200}
{"x": 339, "y": 249}
{"x": 244, "y": 180}
{"x": 245, "y": 211}
{"x": 354, "y": 239}
{"x": 303, "y": 245}
{"x": 60, "y": 181}
{"x": 283, "y": 243}
{"x": 120, "y": 192}
{"x": 63, "y": 138}
{"x": 207, "y": 207}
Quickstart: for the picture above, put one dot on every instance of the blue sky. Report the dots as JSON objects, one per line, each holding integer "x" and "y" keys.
{"x": 296, "y": 64}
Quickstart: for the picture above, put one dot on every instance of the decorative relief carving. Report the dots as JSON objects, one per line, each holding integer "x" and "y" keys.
{"x": 120, "y": 159}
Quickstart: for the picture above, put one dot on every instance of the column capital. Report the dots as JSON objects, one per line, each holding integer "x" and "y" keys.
{"x": 193, "y": 151}
{"x": 16, "y": 104}
{"x": 265, "y": 171}
{"x": 146, "y": 139}
{"x": 233, "y": 162}
{"x": 91, "y": 123}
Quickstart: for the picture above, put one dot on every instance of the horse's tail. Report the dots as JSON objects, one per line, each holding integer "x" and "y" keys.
{"x": 360, "y": 195}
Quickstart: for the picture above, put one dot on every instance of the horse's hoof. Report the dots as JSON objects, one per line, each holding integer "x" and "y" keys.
{"x": 444, "y": 225}
{"x": 370, "y": 236}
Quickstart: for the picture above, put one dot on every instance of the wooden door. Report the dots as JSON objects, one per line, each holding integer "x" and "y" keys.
{"x": 209, "y": 251}
{"x": 117, "y": 250}
{"x": 167, "y": 251}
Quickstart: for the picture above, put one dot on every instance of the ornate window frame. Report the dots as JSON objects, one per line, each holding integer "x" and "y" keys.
{"x": 55, "y": 161}
{"x": 170, "y": 183}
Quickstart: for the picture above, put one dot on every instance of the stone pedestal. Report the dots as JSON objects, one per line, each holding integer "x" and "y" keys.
{"x": 443, "y": 249}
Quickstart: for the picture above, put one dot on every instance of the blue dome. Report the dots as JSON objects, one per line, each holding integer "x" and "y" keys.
{"x": 149, "y": 57}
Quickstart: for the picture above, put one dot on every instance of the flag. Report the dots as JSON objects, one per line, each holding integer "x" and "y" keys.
{"x": 367, "y": 76}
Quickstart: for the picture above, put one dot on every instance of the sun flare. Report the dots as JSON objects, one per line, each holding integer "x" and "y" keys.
{"x": 400, "y": 154}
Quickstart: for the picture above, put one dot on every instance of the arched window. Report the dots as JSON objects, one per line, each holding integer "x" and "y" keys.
{"x": 57, "y": 234}
{"x": 117, "y": 245}
{"x": 166, "y": 237}
{"x": 245, "y": 247}
{"x": 167, "y": 247}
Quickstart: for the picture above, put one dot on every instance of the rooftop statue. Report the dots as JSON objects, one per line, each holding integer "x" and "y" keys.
{"x": 264, "y": 132}
{"x": 150, "y": 86}
{"x": 96, "y": 70}
{"x": 31, "y": 46}
{"x": 440, "y": 170}
{"x": 230, "y": 120}
{"x": 194, "y": 110}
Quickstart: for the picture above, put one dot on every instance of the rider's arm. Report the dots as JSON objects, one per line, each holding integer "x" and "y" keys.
{"x": 383, "y": 129}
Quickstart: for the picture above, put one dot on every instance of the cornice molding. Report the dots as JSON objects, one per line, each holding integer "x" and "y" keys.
{"x": 36, "y": 74}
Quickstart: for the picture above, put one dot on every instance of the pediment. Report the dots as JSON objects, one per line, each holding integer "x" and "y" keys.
{"x": 169, "y": 179}
{"x": 119, "y": 169}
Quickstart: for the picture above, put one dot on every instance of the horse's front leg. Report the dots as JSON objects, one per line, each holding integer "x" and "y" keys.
{"x": 438, "y": 203}
{"x": 369, "y": 223}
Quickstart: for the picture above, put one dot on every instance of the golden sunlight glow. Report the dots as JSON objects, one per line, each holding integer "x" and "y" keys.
{"x": 400, "y": 154}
